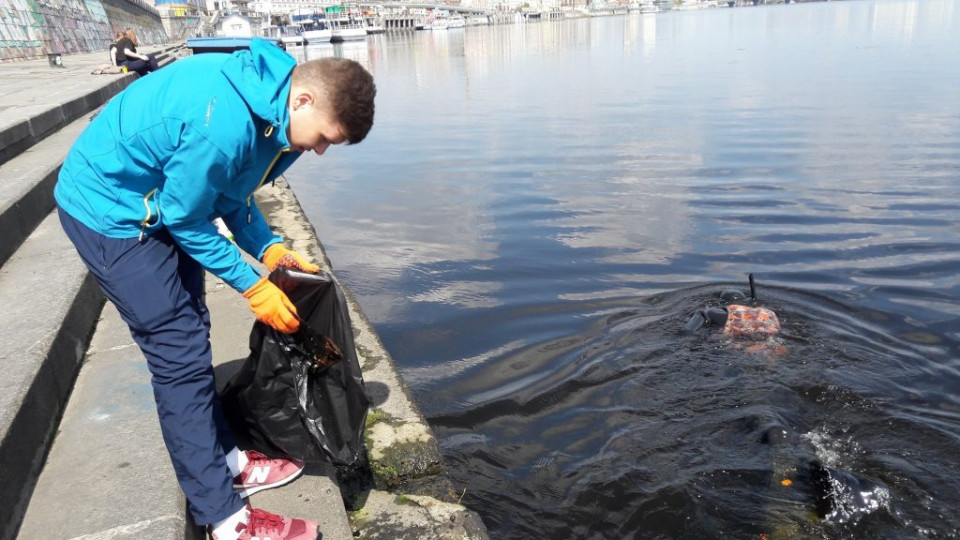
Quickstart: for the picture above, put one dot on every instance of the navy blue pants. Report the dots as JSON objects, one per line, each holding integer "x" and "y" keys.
{"x": 140, "y": 66}
{"x": 158, "y": 290}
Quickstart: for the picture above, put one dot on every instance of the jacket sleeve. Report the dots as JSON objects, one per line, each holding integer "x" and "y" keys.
{"x": 250, "y": 230}
{"x": 195, "y": 175}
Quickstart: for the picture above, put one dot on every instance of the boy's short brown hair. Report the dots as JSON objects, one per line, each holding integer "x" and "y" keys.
{"x": 347, "y": 87}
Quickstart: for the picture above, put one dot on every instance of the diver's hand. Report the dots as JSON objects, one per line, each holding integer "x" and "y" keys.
{"x": 271, "y": 306}
{"x": 278, "y": 255}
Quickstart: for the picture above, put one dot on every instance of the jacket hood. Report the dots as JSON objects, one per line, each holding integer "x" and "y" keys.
{"x": 262, "y": 78}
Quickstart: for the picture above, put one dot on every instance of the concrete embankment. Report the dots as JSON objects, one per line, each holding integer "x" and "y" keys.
{"x": 102, "y": 471}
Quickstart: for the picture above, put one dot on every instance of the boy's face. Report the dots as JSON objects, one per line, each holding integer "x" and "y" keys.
{"x": 312, "y": 125}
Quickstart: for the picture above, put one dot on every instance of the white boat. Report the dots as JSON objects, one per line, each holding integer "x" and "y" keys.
{"x": 456, "y": 21}
{"x": 347, "y": 29}
{"x": 314, "y": 27}
{"x": 316, "y": 37}
{"x": 291, "y": 35}
{"x": 437, "y": 24}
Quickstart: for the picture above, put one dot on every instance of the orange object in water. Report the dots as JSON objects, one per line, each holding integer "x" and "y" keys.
{"x": 786, "y": 482}
{"x": 747, "y": 321}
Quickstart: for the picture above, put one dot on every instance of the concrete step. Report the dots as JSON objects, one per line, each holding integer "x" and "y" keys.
{"x": 26, "y": 193}
{"x": 170, "y": 54}
{"x": 36, "y": 100}
{"x": 108, "y": 460}
{"x": 51, "y": 304}
{"x": 28, "y": 116}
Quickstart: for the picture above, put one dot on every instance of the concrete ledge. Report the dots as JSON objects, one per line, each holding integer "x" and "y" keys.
{"x": 26, "y": 193}
{"x": 14, "y": 132}
{"x": 51, "y": 304}
{"x": 415, "y": 517}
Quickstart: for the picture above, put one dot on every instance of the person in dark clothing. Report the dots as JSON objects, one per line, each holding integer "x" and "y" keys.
{"x": 114, "y": 50}
{"x": 128, "y": 57}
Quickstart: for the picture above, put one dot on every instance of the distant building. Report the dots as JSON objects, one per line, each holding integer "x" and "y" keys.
{"x": 181, "y": 18}
{"x": 271, "y": 7}
{"x": 234, "y": 25}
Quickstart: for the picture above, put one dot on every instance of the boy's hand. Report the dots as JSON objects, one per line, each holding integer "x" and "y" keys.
{"x": 271, "y": 306}
{"x": 278, "y": 255}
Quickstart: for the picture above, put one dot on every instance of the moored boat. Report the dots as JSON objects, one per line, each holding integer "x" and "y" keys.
{"x": 347, "y": 30}
{"x": 291, "y": 35}
{"x": 314, "y": 27}
{"x": 319, "y": 35}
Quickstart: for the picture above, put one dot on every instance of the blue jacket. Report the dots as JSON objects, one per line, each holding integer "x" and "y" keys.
{"x": 182, "y": 146}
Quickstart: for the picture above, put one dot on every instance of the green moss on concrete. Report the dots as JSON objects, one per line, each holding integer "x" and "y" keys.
{"x": 403, "y": 499}
{"x": 370, "y": 358}
{"x": 375, "y": 416}
{"x": 405, "y": 461}
{"x": 385, "y": 472}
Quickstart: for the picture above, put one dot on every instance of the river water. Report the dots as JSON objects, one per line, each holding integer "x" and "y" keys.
{"x": 540, "y": 208}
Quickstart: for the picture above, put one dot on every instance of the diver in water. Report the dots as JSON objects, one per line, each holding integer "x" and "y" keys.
{"x": 834, "y": 496}
{"x": 736, "y": 318}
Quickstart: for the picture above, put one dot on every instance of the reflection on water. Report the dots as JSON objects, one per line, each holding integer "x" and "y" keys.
{"x": 524, "y": 220}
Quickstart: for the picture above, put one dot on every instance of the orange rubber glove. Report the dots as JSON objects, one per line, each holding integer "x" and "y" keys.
{"x": 272, "y": 307}
{"x": 278, "y": 255}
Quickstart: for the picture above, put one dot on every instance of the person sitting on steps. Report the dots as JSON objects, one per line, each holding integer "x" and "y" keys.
{"x": 129, "y": 58}
{"x": 113, "y": 66}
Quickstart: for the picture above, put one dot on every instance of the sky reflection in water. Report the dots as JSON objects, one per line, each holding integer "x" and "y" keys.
{"x": 524, "y": 184}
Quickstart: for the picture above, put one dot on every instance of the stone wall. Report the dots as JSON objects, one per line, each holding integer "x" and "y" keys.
{"x": 30, "y": 29}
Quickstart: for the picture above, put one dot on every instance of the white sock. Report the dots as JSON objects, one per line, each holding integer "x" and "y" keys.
{"x": 227, "y": 529}
{"x": 236, "y": 461}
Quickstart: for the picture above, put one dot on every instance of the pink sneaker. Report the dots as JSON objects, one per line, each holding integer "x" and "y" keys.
{"x": 263, "y": 473}
{"x": 263, "y": 524}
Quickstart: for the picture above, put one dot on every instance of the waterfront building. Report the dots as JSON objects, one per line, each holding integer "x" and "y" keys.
{"x": 234, "y": 25}
{"x": 277, "y": 11}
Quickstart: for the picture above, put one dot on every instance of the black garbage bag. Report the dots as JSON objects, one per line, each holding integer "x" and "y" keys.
{"x": 302, "y": 395}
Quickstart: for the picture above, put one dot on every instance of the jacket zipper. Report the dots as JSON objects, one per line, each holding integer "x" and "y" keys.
{"x": 276, "y": 158}
{"x": 269, "y": 131}
{"x": 146, "y": 220}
